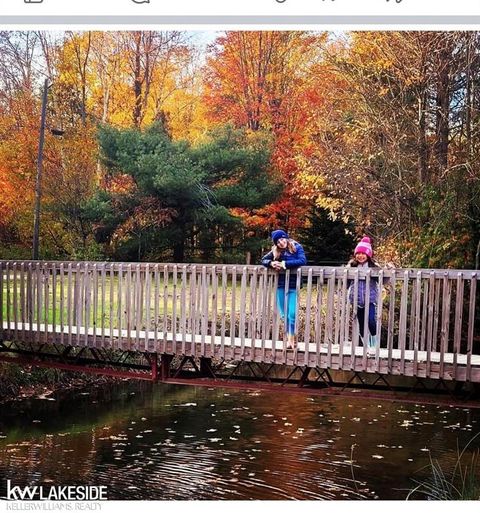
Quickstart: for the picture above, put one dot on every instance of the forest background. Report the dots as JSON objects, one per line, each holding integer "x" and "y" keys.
{"x": 180, "y": 146}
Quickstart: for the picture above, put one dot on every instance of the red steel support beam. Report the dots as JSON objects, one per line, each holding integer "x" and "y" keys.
{"x": 21, "y": 360}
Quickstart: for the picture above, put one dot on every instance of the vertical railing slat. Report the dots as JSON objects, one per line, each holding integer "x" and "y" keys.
{"x": 243, "y": 308}
{"x": 204, "y": 310}
{"x": 308, "y": 311}
{"x": 275, "y": 315}
{"x": 233, "y": 309}
{"x": 252, "y": 313}
{"x": 366, "y": 314}
{"x": 138, "y": 317}
{"x": 24, "y": 314}
{"x": 264, "y": 328}
{"x": 298, "y": 283}
{"x": 39, "y": 301}
{"x": 46, "y": 300}
{"x": 61, "y": 303}
{"x": 54, "y": 302}
{"x": 391, "y": 320}
{"x": 183, "y": 307}
{"x": 444, "y": 330}
{"x": 129, "y": 298}
{"x": 111, "y": 303}
{"x": 15, "y": 300}
{"x": 457, "y": 336}
{"x": 2, "y": 329}
{"x": 224, "y": 311}
{"x": 411, "y": 325}
{"x": 319, "y": 315}
{"x": 70, "y": 307}
{"x": 78, "y": 302}
{"x": 30, "y": 298}
{"x": 213, "y": 326}
{"x": 193, "y": 306}
{"x": 430, "y": 315}
{"x": 174, "y": 306}
{"x": 402, "y": 335}
{"x": 379, "y": 319}
{"x": 342, "y": 311}
{"x": 165, "y": 331}
{"x": 103, "y": 304}
{"x": 329, "y": 316}
{"x": 416, "y": 327}
{"x": 471, "y": 322}
{"x": 156, "y": 306}
{"x": 436, "y": 316}
{"x": 148, "y": 313}
{"x": 356, "y": 323}
{"x": 95, "y": 293}
{"x": 119, "y": 344}
{"x": 87, "y": 305}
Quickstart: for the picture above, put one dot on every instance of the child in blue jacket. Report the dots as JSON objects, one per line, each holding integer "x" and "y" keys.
{"x": 286, "y": 254}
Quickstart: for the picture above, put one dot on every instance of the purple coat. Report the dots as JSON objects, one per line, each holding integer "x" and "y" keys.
{"x": 362, "y": 289}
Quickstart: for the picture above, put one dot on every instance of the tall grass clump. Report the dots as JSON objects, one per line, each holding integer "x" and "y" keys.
{"x": 462, "y": 482}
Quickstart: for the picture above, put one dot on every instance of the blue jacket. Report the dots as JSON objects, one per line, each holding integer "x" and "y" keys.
{"x": 292, "y": 262}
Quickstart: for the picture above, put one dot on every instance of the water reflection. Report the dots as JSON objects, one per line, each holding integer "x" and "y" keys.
{"x": 176, "y": 442}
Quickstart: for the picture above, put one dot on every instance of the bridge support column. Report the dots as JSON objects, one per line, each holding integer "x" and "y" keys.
{"x": 154, "y": 365}
{"x": 165, "y": 361}
{"x": 206, "y": 367}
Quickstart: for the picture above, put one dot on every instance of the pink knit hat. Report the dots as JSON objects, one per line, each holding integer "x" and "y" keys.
{"x": 364, "y": 246}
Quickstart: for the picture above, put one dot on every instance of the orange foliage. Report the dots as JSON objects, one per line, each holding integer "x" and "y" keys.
{"x": 263, "y": 81}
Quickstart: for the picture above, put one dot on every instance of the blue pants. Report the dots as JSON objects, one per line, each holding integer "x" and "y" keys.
{"x": 372, "y": 319}
{"x": 291, "y": 308}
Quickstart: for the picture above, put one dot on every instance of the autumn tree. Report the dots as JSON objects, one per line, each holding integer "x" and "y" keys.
{"x": 263, "y": 81}
{"x": 388, "y": 140}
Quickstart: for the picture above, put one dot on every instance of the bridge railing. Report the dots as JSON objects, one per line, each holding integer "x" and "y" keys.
{"x": 230, "y": 311}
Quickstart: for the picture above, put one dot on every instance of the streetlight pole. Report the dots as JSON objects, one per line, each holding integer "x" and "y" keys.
{"x": 38, "y": 181}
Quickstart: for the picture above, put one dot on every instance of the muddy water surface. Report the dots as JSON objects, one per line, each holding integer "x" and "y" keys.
{"x": 146, "y": 441}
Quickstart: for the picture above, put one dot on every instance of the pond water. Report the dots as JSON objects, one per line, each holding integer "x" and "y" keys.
{"x": 147, "y": 441}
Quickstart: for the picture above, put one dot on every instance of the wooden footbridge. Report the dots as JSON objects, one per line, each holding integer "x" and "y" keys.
{"x": 167, "y": 321}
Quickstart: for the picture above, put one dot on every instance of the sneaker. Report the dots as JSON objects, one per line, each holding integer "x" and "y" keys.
{"x": 291, "y": 342}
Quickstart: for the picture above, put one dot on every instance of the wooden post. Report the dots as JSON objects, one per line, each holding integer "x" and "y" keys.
{"x": 1, "y": 303}
{"x": 165, "y": 361}
{"x": 206, "y": 366}
{"x": 154, "y": 366}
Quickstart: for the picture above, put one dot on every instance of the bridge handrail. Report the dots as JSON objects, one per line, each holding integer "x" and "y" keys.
{"x": 388, "y": 272}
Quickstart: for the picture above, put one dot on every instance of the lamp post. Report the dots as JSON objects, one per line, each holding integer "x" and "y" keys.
{"x": 38, "y": 181}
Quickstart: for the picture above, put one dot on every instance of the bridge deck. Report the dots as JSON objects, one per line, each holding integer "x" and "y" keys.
{"x": 335, "y": 356}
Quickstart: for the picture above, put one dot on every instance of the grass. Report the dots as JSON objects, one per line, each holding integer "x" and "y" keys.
{"x": 462, "y": 482}
{"x": 165, "y": 299}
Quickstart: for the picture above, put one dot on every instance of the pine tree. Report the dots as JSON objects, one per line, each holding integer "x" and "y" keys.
{"x": 326, "y": 241}
{"x": 190, "y": 189}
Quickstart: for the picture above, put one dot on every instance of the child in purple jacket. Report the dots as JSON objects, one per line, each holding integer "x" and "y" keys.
{"x": 363, "y": 258}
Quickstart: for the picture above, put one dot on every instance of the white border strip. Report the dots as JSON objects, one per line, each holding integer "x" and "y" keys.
{"x": 244, "y": 20}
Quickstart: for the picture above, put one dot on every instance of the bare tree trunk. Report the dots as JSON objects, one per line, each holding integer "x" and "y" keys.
{"x": 422, "y": 139}
{"x": 137, "y": 81}
{"x": 443, "y": 110}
